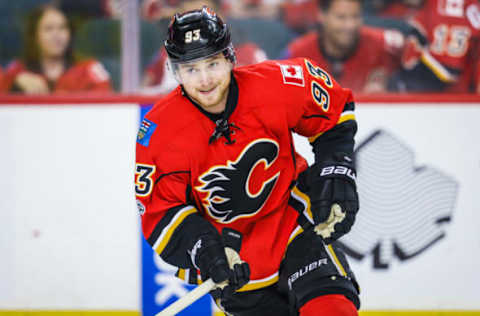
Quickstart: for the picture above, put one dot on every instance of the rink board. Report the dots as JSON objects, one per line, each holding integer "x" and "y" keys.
{"x": 69, "y": 235}
{"x": 120, "y": 313}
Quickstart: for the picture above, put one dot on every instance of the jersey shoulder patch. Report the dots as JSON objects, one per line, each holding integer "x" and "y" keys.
{"x": 145, "y": 132}
{"x": 292, "y": 74}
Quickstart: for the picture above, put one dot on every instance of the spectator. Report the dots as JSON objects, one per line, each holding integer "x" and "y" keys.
{"x": 299, "y": 15}
{"x": 245, "y": 9}
{"x": 400, "y": 9}
{"x": 157, "y": 77}
{"x": 49, "y": 64}
{"x": 154, "y": 10}
{"x": 442, "y": 48}
{"x": 390, "y": 14}
{"x": 359, "y": 57}
{"x": 395, "y": 9}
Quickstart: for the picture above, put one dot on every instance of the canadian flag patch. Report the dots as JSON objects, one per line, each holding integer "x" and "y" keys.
{"x": 292, "y": 74}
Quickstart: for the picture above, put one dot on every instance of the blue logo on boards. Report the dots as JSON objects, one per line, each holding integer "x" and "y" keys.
{"x": 160, "y": 287}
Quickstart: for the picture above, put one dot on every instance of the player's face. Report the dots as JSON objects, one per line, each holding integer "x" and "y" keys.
{"x": 342, "y": 22}
{"x": 206, "y": 81}
{"x": 53, "y": 34}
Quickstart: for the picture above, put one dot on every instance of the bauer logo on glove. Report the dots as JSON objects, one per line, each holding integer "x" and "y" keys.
{"x": 333, "y": 196}
{"x": 338, "y": 170}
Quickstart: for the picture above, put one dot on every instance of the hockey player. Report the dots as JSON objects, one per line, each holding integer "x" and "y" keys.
{"x": 359, "y": 57}
{"x": 443, "y": 48}
{"x": 158, "y": 78}
{"x": 217, "y": 153}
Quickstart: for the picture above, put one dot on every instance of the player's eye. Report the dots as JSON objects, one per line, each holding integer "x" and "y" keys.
{"x": 191, "y": 70}
{"x": 213, "y": 64}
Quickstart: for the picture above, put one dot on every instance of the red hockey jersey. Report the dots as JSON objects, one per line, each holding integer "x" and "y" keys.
{"x": 245, "y": 185}
{"x": 451, "y": 29}
{"x": 376, "y": 56}
{"x": 88, "y": 75}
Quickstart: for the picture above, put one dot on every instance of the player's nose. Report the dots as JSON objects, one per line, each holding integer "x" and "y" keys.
{"x": 205, "y": 77}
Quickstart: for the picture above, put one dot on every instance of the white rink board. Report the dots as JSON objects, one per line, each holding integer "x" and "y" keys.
{"x": 446, "y": 275}
{"x": 69, "y": 229}
{"x": 68, "y": 221}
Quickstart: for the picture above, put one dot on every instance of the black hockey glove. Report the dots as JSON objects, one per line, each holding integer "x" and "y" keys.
{"x": 210, "y": 257}
{"x": 331, "y": 183}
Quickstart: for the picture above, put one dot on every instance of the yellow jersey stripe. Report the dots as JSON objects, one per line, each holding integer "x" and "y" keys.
{"x": 297, "y": 231}
{"x": 337, "y": 263}
{"x": 407, "y": 313}
{"x": 258, "y": 284}
{"x": 345, "y": 116}
{"x": 181, "y": 274}
{"x": 167, "y": 232}
{"x": 305, "y": 200}
{"x": 313, "y": 138}
{"x": 439, "y": 71}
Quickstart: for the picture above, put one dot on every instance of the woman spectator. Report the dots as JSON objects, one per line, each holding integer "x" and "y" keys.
{"x": 49, "y": 64}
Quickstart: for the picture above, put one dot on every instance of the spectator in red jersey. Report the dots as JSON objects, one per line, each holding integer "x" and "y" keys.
{"x": 400, "y": 9}
{"x": 442, "y": 48}
{"x": 360, "y": 58}
{"x": 299, "y": 15}
{"x": 158, "y": 78}
{"x": 395, "y": 9}
{"x": 49, "y": 64}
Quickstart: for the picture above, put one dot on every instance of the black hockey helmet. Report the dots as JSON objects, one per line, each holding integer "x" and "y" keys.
{"x": 198, "y": 34}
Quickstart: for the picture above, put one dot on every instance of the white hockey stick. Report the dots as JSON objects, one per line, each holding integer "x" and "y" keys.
{"x": 188, "y": 299}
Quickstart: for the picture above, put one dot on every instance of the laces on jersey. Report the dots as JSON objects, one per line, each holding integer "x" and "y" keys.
{"x": 224, "y": 129}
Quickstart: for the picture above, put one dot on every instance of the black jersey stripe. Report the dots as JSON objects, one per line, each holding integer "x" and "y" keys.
{"x": 165, "y": 222}
{"x": 315, "y": 116}
{"x": 350, "y": 106}
{"x": 161, "y": 176}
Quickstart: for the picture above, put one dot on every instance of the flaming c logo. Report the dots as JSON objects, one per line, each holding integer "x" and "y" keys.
{"x": 229, "y": 187}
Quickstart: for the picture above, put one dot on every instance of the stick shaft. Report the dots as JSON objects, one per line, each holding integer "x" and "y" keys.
{"x": 188, "y": 299}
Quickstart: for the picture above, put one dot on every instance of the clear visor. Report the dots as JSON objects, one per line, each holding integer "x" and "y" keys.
{"x": 212, "y": 66}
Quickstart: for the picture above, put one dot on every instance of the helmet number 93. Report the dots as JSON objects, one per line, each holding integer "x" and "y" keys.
{"x": 191, "y": 36}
